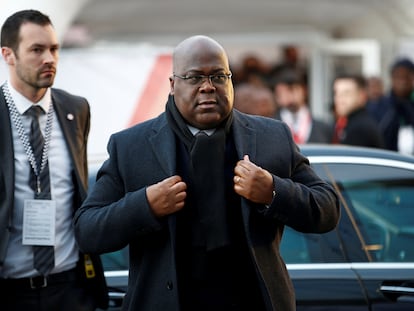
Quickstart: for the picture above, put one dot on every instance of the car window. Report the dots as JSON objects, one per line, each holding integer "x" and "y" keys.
{"x": 377, "y": 206}
{"x": 115, "y": 261}
{"x": 380, "y": 202}
{"x": 297, "y": 247}
{"x": 384, "y": 210}
{"x": 294, "y": 247}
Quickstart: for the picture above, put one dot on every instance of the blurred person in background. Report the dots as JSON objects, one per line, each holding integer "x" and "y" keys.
{"x": 375, "y": 88}
{"x": 291, "y": 60}
{"x": 252, "y": 70}
{"x": 256, "y": 100}
{"x": 354, "y": 125}
{"x": 397, "y": 116}
{"x": 290, "y": 91}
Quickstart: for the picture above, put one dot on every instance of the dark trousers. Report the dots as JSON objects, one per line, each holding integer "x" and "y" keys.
{"x": 60, "y": 296}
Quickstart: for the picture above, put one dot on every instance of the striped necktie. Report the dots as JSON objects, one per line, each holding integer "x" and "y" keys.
{"x": 44, "y": 260}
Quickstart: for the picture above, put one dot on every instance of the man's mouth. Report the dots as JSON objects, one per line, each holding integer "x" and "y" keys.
{"x": 207, "y": 104}
{"x": 48, "y": 71}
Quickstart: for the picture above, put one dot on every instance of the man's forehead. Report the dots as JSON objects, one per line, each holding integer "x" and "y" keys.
{"x": 198, "y": 49}
{"x": 34, "y": 34}
{"x": 207, "y": 65}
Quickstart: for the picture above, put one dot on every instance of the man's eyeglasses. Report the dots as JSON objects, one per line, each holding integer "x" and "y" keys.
{"x": 216, "y": 79}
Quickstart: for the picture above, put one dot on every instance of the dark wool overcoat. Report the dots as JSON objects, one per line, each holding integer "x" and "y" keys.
{"x": 116, "y": 213}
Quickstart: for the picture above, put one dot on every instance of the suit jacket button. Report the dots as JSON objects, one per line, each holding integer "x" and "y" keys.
{"x": 170, "y": 285}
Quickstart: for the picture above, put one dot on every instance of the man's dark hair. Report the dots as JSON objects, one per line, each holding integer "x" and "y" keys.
{"x": 11, "y": 27}
{"x": 290, "y": 76}
{"x": 403, "y": 63}
{"x": 359, "y": 80}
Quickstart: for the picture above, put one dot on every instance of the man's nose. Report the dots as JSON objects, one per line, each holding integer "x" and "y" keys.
{"x": 50, "y": 57}
{"x": 207, "y": 85}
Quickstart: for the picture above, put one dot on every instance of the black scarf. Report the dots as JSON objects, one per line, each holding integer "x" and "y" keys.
{"x": 206, "y": 170}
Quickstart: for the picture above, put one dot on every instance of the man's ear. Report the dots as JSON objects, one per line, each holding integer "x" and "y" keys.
{"x": 8, "y": 55}
{"x": 171, "y": 86}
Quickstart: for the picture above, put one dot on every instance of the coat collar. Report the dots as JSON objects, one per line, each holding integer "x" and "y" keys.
{"x": 163, "y": 144}
{"x": 245, "y": 136}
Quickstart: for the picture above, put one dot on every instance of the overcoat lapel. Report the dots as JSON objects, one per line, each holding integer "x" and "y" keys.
{"x": 245, "y": 139}
{"x": 163, "y": 146}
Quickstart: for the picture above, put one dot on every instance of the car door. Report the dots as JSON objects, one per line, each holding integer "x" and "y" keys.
{"x": 320, "y": 268}
{"x": 377, "y": 198}
{"x": 322, "y": 276}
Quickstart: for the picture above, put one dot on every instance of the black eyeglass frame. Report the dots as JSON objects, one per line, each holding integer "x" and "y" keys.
{"x": 199, "y": 79}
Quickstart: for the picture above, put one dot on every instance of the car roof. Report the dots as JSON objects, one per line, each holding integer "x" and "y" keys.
{"x": 321, "y": 150}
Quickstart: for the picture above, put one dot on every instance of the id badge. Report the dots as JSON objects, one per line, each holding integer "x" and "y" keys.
{"x": 39, "y": 218}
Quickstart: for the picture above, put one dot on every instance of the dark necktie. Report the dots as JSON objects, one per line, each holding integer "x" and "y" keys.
{"x": 44, "y": 260}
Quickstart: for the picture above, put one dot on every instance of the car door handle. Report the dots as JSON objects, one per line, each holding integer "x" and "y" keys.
{"x": 115, "y": 299}
{"x": 398, "y": 291}
{"x": 116, "y": 295}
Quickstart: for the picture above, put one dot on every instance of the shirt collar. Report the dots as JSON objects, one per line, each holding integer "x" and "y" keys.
{"x": 195, "y": 130}
{"x": 23, "y": 104}
{"x": 293, "y": 118}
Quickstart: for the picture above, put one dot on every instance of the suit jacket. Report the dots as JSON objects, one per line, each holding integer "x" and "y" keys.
{"x": 116, "y": 212}
{"x": 362, "y": 130}
{"x": 397, "y": 112}
{"x": 75, "y": 132}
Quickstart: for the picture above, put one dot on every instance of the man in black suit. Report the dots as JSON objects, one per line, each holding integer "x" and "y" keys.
{"x": 354, "y": 125}
{"x": 43, "y": 177}
{"x": 395, "y": 111}
{"x": 201, "y": 195}
{"x": 290, "y": 90}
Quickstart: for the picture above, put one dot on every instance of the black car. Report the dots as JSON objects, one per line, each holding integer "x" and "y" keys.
{"x": 367, "y": 262}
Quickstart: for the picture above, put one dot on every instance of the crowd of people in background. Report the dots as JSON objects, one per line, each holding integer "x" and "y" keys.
{"x": 364, "y": 112}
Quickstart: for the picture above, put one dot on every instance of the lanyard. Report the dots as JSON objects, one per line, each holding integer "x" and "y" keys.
{"x": 17, "y": 120}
